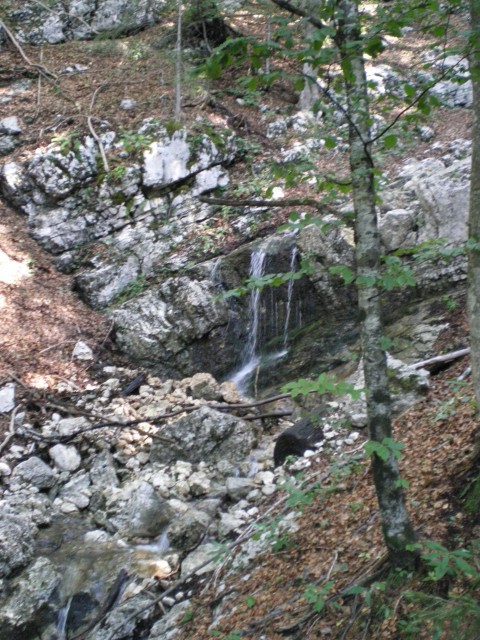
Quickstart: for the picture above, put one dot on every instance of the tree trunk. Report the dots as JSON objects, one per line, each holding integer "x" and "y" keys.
{"x": 397, "y": 530}
{"x": 473, "y": 297}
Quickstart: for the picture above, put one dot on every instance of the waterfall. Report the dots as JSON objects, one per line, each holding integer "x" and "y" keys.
{"x": 250, "y": 358}
{"x": 272, "y": 314}
{"x": 291, "y": 284}
{"x": 61, "y": 625}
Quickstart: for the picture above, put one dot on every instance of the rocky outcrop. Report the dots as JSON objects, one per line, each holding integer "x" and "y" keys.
{"x": 206, "y": 434}
{"x": 38, "y": 23}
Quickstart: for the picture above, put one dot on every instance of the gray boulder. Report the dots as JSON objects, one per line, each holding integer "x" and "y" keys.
{"x": 407, "y": 385}
{"x": 145, "y": 514}
{"x": 35, "y": 472}
{"x": 16, "y": 543}
{"x": 28, "y": 606}
{"x": 188, "y": 530}
{"x": 36, "y": 23}
{"x": 205, "y": 434}
{"x": 167, "y": 322}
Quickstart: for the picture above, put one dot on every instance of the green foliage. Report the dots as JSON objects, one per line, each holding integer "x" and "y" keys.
{"x": 384, "y": 449}
{"x": 298, "y": 496}
{"x": 443, "y": 562}
{"x": 395, "y": 274}
{"x": 220, "y": 552}
{"x": 68, "y": 143}
{"x": 315, "y": 595}
{"x": 457, "y": 616}
{"x": 133, "y": 289}
{"x": 134, "y": 142}
{"x": 325, "y": 383}
{"x": 296, "y": 222}
{"x": 269, "y": 280}
{"x": 233, "y": 635}
{"x": 187, "y": 616}
{"x": 274, "y": 533}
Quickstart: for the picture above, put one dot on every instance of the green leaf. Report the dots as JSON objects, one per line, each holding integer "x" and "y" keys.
{"x": 373, "y": 447}
{"x": 250, "y": 601}
{"x": 330, "y": 143}
{"x": 390, "y": 141}
{"x": 344, "y": 272}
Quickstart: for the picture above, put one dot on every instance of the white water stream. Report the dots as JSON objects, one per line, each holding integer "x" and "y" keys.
{"x": 251, "y": 356}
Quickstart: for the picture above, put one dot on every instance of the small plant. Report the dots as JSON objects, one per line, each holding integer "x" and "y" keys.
{"x": 449, "y": 302}
{"x": 67, "y": 144}
{"x": 315, "y": 596}
{"x": 133, "y": 289}
{"x": 134, "y": 142}
{"x": 271, "y": 532}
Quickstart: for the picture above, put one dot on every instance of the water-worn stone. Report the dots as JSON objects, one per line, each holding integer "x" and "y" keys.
{"x": 146, "y": 514}
{"x": 65, "y": 458}
{"x": 188, "y": 529}
{"x": 16, "y": 543}
{"x": 169, "y": 624}
{"x": 205, "y": 434}
{"x": 238, "y": 488}
{"x": 27, "y": 607}
{"x": 35, "y": 472}
{"x": 201, "y": 559}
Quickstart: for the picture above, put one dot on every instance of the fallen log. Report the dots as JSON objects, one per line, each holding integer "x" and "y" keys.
{"x": 446, "y": 357}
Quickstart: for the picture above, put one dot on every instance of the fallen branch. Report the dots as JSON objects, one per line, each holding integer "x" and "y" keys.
{"x": 103, "y": 154}
{"x": 11, "y": 431}
{"x": 283, "y": 202}
{"x": 46, "y": 73}
{"x": 446, "y": 357}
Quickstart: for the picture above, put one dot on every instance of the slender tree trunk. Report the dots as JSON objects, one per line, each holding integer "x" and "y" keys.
{"x": 397, "y": 530}
{"x": 178, "y": 63}
{"x": 473, "y": 297}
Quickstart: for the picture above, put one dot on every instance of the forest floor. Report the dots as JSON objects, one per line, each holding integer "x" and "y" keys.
{"x": 339, "y": 539}
{"x": 297, "y": 589}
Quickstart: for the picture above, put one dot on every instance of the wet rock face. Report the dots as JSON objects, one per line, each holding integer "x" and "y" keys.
{"x": 30, "y": 601}
{"x": 165, "y": 325}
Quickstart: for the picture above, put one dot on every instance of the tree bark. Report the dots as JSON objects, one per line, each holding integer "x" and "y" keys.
{"x": 397, "y": 529}
{"x": 473, "y": 296}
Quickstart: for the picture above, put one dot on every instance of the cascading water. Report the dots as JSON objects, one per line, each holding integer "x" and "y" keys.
{"x": 291, "y": 284}
{"x": 250, "y": 358}
{"x": 270, "y": 317}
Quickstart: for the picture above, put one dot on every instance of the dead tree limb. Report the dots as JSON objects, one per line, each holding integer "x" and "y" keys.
{"x": 103, "y": 154}
{"x": 284, "y": 202}
{"x": 446, "y": 357}
{"x": 46, "y": 73}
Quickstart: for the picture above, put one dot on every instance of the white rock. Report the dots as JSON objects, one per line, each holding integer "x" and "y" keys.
{"x": 127, "y": 104}
{"x": 65, "y": 458}
{"x": 97, "y": 535}
{"x": 5, "y": 469}
{"x": 68, "y": 507}
{"x": 82, "y": 351}
{"x": 69, "y": 426}
{"x": 10, "y": 126}
{"x": 7, "y": 397}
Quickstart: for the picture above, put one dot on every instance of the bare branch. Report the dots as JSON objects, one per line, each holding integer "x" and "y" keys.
{"x": 49, "y": 75}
